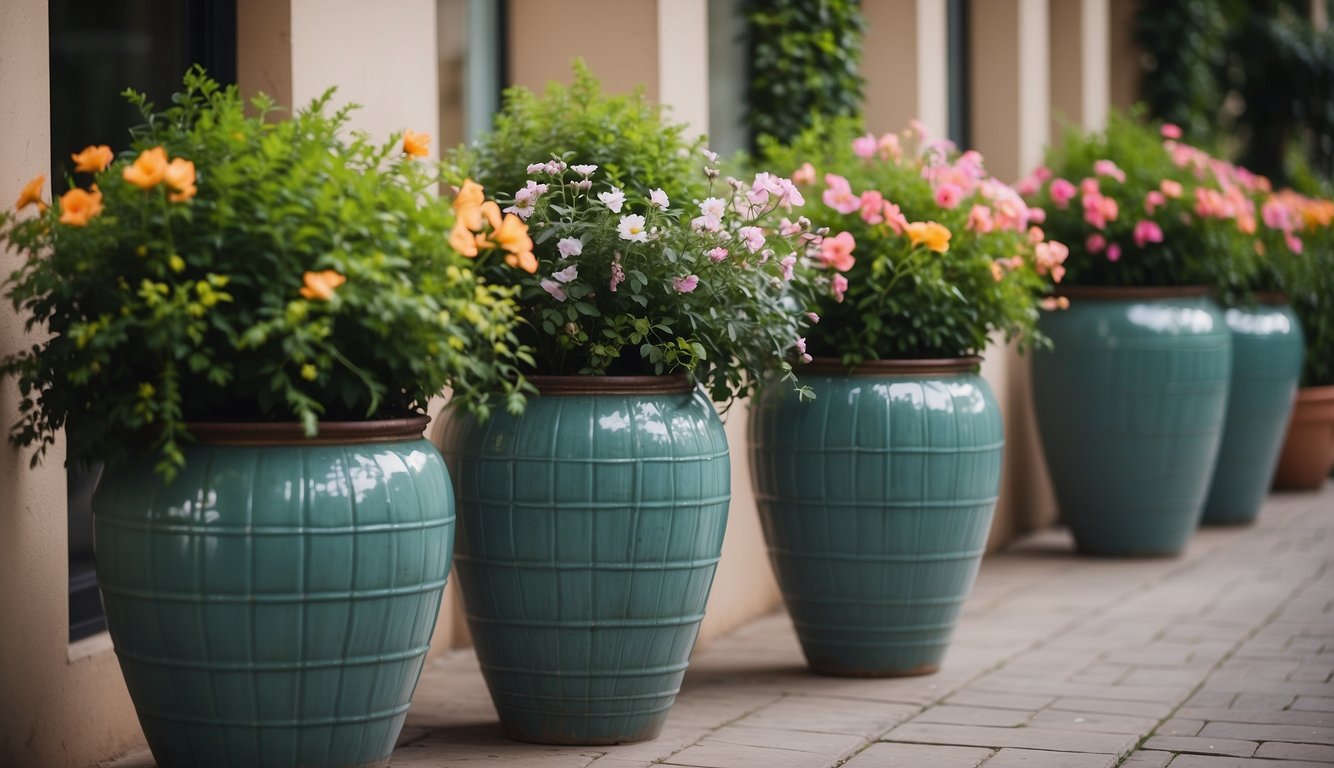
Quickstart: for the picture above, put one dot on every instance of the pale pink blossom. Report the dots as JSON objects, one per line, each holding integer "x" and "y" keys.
{"x": 1109, "y": 169}
{"x": 1095, "y": 243}
{"x": 864, "y": 146}
{"x": 718, "y": 254}
{"x": 753, "y": 237}
{"x": 873, "y": 205}
{"x": 1153, "y": 200}
{"x": 895, "y": 219}
{"x": 1049, "y": 258}
{"x": 1294, "y": 242}
{"x": 814, "y": 318}
{"x": 888, "y": 146}
{"x": 569, "y": 246}
{"x": 584, "y": 170}
{"x": 801, "y": 350}
{"x": 787, "y": 227}
{"x": 1089, "y": 186}
{"x": 554, "y": 288}
{"x": 617, "y": 273}
{"x": 631, "y": 228}
{"x": 1036, "y": 235}
{"x": 805, "y": 174}
{"x": 659, "y": 198}
{"x": 839, "y": 286}
{"x": 566, "y": 275}
{"x": 613, "y": 199}
{"x": 536, "y": 167}
{"x": 685, "y": 284}
{"x": 979, "y": 219}
{"x": 838, "y": 194}
{"x": 788, "y": 265}
{"x": 1037, "y": 215}
{"x": 709, "y": 155}
{"x": 1171, "y": 131}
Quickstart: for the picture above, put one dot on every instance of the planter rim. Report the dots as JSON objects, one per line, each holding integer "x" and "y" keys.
{"x": 570, "y": 386}
{"x": 291, "y": 433}
{"x": 1319, "y": 394}
{"x": 1131, "y": 293}
{"x": 1270, "y": 298}
{"x": 905, "y": 367}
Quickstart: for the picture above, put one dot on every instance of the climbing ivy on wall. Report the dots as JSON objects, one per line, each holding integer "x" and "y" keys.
{"x": 804, "y": 60}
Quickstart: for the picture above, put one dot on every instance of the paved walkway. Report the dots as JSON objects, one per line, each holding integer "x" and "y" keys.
{"x": 1221, "y": 658}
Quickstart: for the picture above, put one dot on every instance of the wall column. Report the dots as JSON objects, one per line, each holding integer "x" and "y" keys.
{"x": 905, "y": 63}
{"x": 1080, "y": 63}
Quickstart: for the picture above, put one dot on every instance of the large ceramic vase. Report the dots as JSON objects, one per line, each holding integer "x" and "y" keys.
{"x": 876, "y": 499}
{"x": 1308, "y": 448}
{"x": 1130, "y": 404}
{"x": 589, "y": 531}
{"x": 1267, "y": 351}
{"x": 273, "y": 604}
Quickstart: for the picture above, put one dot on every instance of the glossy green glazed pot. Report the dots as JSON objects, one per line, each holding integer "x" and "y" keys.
{"x": 273, "y": 604}
{"x": 589, "y": 530}
{"x": 876, "y": 499}
{"x": 1267, "y": 352}
{"x": 1130, "y": 404}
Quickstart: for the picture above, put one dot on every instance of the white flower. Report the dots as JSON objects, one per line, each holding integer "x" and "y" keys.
{"x": 659, "y": 198}
{"x": 712, "y": 156}
{"x": 713, "y": 207}
{"x": 524, "y": 202}
{"x": 632, "y": 228}
{"x": 569, "y": 246}
{"x": 554, "y": 288}
{"x": 567, "y": 274}
{"x": 614, "y": 200}
{"x": 536, "y": 167}
{"x": 584, "y": 170}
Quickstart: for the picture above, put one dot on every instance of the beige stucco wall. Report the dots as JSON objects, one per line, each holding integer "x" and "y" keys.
{"x": 904, "y": 62}
{"x": 59, "y": 705}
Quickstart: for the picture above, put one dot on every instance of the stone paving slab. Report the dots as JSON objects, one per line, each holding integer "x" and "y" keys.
{"x": 1220, "y": 658}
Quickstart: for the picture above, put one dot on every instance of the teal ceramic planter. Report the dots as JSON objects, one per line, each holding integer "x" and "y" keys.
{"x": 1267, "y": 352}
{"x": 876, "y": 499}
{"x": 589, "y": 530}
{"x": 273, "y": 604}
{"x": 1130, "y": 406}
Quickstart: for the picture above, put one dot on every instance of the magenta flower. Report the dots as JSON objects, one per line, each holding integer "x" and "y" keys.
{"x": 1113, "y": 253}
{"x": 1171, "y": 131}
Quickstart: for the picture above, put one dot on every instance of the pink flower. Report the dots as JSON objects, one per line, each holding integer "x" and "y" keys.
{"x": 659, "y": 198}
{"x": 1171, "y": 188}
{"x": 613, "y": 199}
{"x": 1171, "y": 131}
{"x": 566, "y": 275}
{"x": 753, "y": 237}
{"x": 997, "y": 271}
{"x": 836, "y": 251}
{"x": 1108, "y": 168}
{"x": 839, "y": 285}
{"x": 788, "y": 263}
{"x": 1049, "y": 258}
{"x": 838, "y": 194}
{"x": 804, "y": 175}
{"x": 979, "y": 219}
{"x": 554, "y": 288}
{"x": 1062, "y": 192}
{"x": 569, "y": 246}
{"x": 889, "y": 148}
{"x": 1294, "y": 242}
{"x": 895, "y": 218}
{"x": 617, "y": 273}
{"x": 1053, "y": 303}
{"x": 1153, "y": 200}
{"x": 873, "y": 204}
{"x": 1113, "y": 253}
{"x": 814, "y": 318}
{"x": 948, "y": 196}
{"x": 1275, "y": 215}
{"x": 1095, "y": 243}
{"x": 787, "y": 227}
{"x": 685, "y": 284}
{"x": 801, "y": 350}
{"x": 1037, "y": 215}
{"x": 1028, "y": 186}
{"x": 864, "y": 146}
{"x": 1036, "y": 235}
{"x": 717, "y": 254}
{"x": 1146, "y": 232}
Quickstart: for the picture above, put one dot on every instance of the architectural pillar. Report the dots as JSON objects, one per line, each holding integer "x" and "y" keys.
{"x": 905, "y": 63}
{"x": 1080, "y": 63}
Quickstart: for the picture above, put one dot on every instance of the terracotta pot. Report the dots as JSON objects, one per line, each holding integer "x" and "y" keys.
{"x": 1308, "y": 451}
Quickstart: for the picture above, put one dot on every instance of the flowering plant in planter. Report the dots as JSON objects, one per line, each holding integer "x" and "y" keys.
{"x": 645, "y": 260}
{"x": 1142, "y": 208}
{"x": 234, "y": 268}
{"x": 1298, "y": 259}
{"x": 930, "y": 256}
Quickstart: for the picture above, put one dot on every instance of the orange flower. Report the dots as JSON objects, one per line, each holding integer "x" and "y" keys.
{"x": 32, "y": 193}
{"x": 319, "y": 286}
{"x": 468, "y": 205}
{"x": 525, "y": 261}
{"x": 180, "y": 176}
{"x": 92, "y": 159}
{"x": 935, "y": 236}
{"x": 462, "y": 240}
{"x": 78, "y": 207}
{"x": 148, "y": 170}
{"x": 414, "y": 143}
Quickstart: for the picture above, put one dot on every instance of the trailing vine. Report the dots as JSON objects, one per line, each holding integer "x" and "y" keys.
{"x": 804, "y": 60}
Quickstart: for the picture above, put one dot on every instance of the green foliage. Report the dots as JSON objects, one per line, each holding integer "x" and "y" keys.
{"x": 1184, "y": 81}
{"x": 804, "y": 62}
{"x": 1310, "y": 290}
{"x": 161, "y": 310}
{"x": 624, "y": 283}
{"x": 1202, "y": 209}
{"x": 904, "y": 298}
